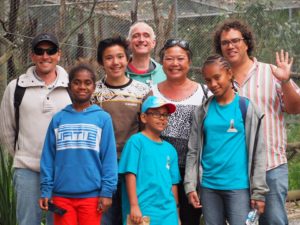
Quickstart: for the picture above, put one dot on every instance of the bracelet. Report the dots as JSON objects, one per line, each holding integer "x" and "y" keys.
{"x": 285, "y": 81}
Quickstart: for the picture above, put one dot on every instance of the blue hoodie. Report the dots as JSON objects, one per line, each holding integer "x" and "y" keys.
{"x": 79, "y": 158}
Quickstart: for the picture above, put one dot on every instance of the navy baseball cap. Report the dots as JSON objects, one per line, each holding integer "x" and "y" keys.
{"x": 44, "y": 37}
{"x": 153, "y": 102}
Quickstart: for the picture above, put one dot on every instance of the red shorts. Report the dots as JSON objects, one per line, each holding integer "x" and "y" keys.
{"x": 82, "y": 211}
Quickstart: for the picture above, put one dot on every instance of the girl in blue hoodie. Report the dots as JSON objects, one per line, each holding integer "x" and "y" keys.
{"x": 79, "y": 161}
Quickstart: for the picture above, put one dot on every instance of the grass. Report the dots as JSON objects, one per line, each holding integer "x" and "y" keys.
{"x": 294, "y": 174}
{"x": 7, "y": 197}
{"x": 293, "y": 133}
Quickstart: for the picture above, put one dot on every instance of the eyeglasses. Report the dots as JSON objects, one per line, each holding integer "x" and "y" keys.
{"x": 49, "y": 51}
{"x": 158, "y": 115}
{"x": 234, "y": 41}
{"x": 181, "y": 43}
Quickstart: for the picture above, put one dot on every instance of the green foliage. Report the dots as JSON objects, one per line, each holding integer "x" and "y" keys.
{"x": 293, "y": 128}
{"x": 273, "y": 30}
{"x": 294, "y": 173}
{"x": 293, "y": 133}
{"x": 7, "y": 197}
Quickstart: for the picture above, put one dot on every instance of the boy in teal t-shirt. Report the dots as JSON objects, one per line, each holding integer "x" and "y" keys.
{"x": 150, "y": 168}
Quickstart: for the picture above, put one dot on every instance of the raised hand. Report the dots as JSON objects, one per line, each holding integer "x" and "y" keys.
{"x": 283, "y": 70}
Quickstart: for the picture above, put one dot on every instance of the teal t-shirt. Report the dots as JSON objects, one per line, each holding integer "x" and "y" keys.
{"x": 155, "y": 165}
{"x": 224, "y": 157}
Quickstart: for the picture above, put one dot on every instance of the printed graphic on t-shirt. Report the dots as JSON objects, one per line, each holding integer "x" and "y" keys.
{"x": 231, "y": 128}
{"x": 78, "y": 136}
{"x": 168, "y": 162}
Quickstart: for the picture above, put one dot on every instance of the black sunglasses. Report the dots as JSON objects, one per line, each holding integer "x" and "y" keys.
{"x": 49, "y": 51}
{"x": 181, "y": 43}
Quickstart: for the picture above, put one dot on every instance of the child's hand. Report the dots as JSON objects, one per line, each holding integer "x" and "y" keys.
{"x": 179, "y": 221}
{"x": 259, "y": 205}
{"x": 136, "y": 214}
{"x": 104, "y": 204}
{"x": 194, "y": 199}
{"x": 44, "y": 203}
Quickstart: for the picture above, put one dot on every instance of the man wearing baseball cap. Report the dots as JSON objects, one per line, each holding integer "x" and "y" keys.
{"x": 22, "y": 134}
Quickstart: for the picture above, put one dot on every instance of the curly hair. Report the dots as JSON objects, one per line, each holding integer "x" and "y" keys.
{"x": 238, "y": 25}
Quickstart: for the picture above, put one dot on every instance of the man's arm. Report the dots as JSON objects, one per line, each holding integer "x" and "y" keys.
{"x": 47, "y": 163}
{"x": 291, "y": 98}
{"x": 282, "y": 72}
{"x": 108, "y": 157}
{"x": 7, "y": 119}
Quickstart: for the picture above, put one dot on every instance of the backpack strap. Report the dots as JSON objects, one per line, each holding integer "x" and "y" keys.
{"x": 205, "y": 92}
{"x": 243, "y": 107}
{"x": 18, "y": 96}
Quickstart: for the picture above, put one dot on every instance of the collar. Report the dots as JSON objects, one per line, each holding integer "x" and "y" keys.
{"x": 29, "y": 79}
{"x": 251, "y": 72}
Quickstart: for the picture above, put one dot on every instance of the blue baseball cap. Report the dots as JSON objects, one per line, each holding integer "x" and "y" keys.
{"x": 153, "y": 102}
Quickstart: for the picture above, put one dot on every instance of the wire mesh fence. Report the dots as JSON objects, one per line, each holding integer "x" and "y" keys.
{"x": 80, "y": 24}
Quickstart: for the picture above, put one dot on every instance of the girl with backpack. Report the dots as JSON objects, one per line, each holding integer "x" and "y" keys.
{"x": 226, "y": 160}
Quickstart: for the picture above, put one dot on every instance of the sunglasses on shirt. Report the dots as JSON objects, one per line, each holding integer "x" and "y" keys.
{"x": 49, "y": 51}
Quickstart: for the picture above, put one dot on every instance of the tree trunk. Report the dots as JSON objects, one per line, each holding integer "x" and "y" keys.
{"x": 292, "y": 150}
{"x": 91, "y": 53}
{"x": 80, "y": 44}
{"x": 62, "y": 19}
{"x": 3, "y": 73}
{"x": 12, "y": 25}
{"x": 163, "y": 27}
{"x": 3, "y": 68}
{"x": 29, "y": 29}
{"x": 134, "y": 11}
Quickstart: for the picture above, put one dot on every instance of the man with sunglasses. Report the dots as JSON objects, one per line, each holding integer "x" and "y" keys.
{"x": 45, "y": 86}
{"x": 272, "y": 89}
{"x": 141, "y": 66}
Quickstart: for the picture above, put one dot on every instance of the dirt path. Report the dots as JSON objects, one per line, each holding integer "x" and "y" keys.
{"x": 293, "y": 209}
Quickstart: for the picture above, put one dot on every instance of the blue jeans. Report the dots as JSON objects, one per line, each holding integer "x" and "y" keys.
{"x": 27, "y": 189}
{"x": 275, "y": 212}
{"x": 218, "y": 205}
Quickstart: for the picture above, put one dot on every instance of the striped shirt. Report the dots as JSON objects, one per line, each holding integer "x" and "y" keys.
{"x": 262, "y": 87}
